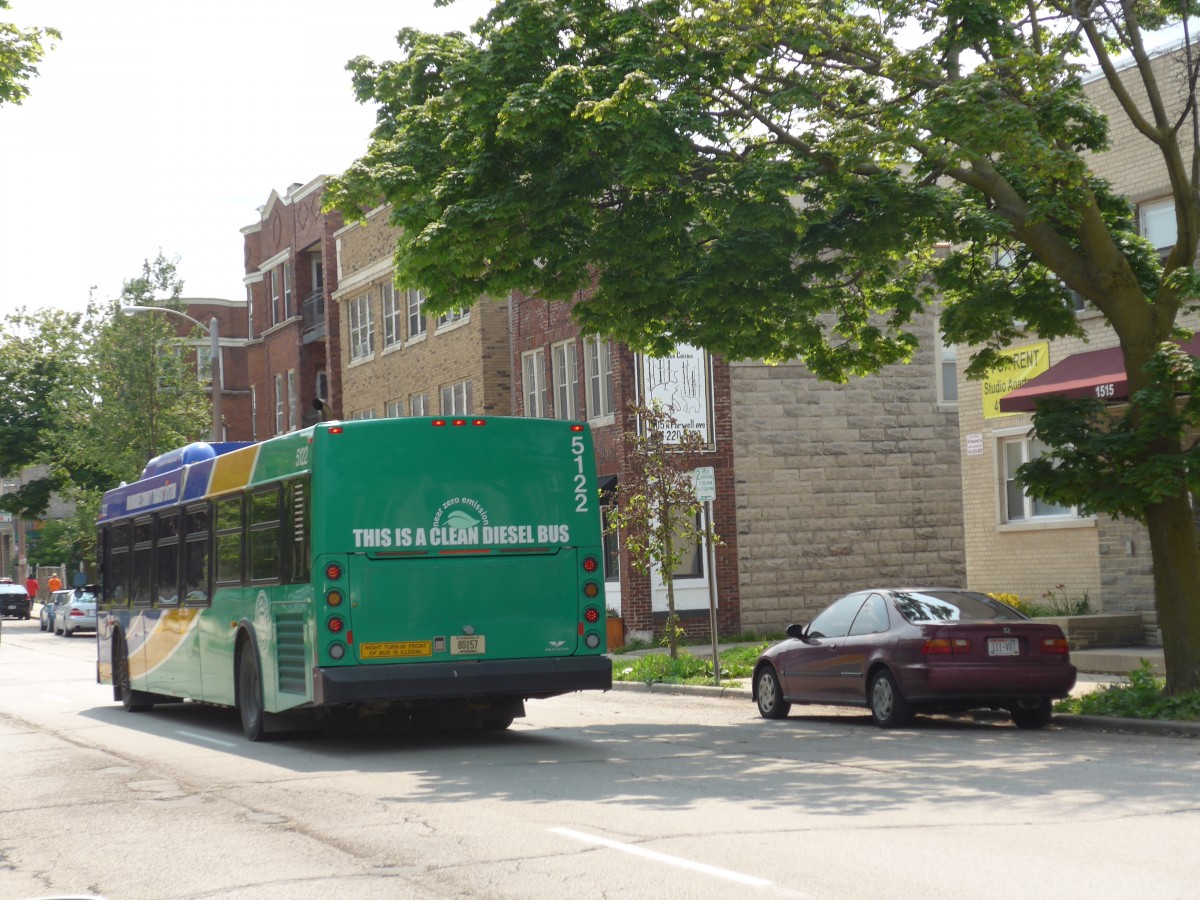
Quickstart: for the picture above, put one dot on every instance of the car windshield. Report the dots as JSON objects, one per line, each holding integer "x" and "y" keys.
{"x": 951, "y": 606}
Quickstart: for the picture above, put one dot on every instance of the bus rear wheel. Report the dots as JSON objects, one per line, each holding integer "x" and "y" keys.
{"x": 133, "y": 701}
{"x": 249, "y": 696}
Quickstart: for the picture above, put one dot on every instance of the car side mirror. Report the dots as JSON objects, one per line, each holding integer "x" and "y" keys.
{"x": 797, "y": 631}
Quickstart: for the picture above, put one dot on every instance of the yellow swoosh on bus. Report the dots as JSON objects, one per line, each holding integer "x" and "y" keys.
{"x": 169, "y": 634}
{"x": 232, "y": 470}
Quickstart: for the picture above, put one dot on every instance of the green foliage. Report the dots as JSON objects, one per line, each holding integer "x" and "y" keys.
{"x": 1143, "y": 697}
{"x": 21, "y": 49}
{"x": 660, "y": 668}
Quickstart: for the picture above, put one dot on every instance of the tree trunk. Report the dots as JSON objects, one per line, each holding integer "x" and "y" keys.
{"x": 669, "y": 580}
{"x": 1176, "y": 558}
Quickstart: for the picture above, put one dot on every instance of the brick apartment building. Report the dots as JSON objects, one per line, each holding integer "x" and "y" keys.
{"x": 292, "y": 325}
{"x": 233, "y": 370}
{"x": 398, "y": 361}
{"x": 1026, "y": 547}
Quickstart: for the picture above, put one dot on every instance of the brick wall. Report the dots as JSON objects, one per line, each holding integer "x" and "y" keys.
{"x": 842, "y": 486}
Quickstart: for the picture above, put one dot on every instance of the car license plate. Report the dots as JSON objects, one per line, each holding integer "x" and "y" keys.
{"x": 395, "y": 649}
{"x": 1004, "y": 647}
{"x": 467, "y": 644}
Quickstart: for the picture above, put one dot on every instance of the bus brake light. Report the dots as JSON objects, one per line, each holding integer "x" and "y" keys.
{"x": 589, "y": 564}
{"x": 335, "y": 624}
{"x": 437, "y": 423}
{"x": 592, "y": 615}
{"x": 577, "y": 428}
{"x": 333, "y": 571}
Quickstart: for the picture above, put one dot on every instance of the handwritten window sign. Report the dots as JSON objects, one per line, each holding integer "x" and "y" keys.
{"x": 1024, "y": 364}
{"x": 679, "y": 382}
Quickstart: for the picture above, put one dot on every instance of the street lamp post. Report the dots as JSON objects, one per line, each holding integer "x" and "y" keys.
{"x": 214, "y": 358}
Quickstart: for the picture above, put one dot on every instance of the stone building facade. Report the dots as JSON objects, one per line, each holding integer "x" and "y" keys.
{"x": 560, "y": 373}
{"x": 841, "y": 487}
{"x": 1106, "y": 558}
{"x": 399, "y": 361}
{"x": 293, "y": 355}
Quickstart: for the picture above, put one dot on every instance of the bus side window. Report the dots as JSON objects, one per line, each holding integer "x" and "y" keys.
{"x": 297, "y": 532}
{"x": 197, "y": 554}
{"x": 264, "y": 535}
{"x": 117, "y": 567}
{"x": 143, "y": 561}
{"x": 228, "y": 532}
{"x": 166, "y": 558}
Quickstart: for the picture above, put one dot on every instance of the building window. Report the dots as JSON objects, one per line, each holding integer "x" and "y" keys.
{"x": 276, "y": 313}
{"x": 533, "y": 381}
{"x": 1156, "y": 221}
{"x": 395, "y": 409}
{"x": 288, "y": 311}
{"x": 456, "y": 399}
{"x": 597, "y": 355}
{"x": 416, "y": 314}
{"x": 1018, "y": 507}
{"x": 322, "y": 385}
{"x": 612, "y": 549}
{"x": 391, "y": 317}
{"x": 293, "y": 401}
{"x": 361, "y": 414}
{"x": 249, "y": 311}
{"x": 453, "y": 317}
{"x": 691, "y": 563}
{"x": 947, "y": 373}
{"x": 362, "y": 328}
{"x": 566, "y": 380}
{"x": 279, "y": 404}
{"x": 418, "y": 405}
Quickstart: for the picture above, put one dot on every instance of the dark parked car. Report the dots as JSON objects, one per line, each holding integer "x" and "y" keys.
{"x": 900, "y": 651}
{"x": 14, "y": 600}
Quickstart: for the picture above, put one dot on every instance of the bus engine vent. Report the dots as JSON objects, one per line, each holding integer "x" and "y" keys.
{"x": 289, "y": 634}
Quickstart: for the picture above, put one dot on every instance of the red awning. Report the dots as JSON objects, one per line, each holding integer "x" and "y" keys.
{"x": 1096, "y": 373}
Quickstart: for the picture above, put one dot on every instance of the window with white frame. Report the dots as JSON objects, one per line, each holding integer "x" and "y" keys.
{"x": 362, "y": 328}
{"x": 566, "y": 380}
{"x": 456, "y": 399}
{"x": 288, "y": 310}
{"x": 533, "y": 382}
{"x": 392, "y": 317}
{"x": 1156, "y": 221}
{"x": 279, "y": 404}
{"x": 249, "y": 311}
{"x": 453, "y": 317}
{"x": 1017, "y": 506}
{"x": 947, "y": 372}
{"x": 276, "y": 312}
{"x": 394, "y": 409}
{"x": 418, "y": 405}
{"x": 253, "y": 413}
{"x": 416, "y": 314}
{"x": 359, "y": 415}
{"x": 293, "y": 401}
{"x": 597, "y": 356}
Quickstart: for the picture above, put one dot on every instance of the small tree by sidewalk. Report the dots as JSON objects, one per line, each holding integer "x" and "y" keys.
{"x": 656, "y": 508}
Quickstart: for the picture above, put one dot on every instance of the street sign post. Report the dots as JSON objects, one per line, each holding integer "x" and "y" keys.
{"x": 704, "y": 479}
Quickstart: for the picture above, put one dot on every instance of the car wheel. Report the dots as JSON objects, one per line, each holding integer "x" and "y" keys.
{"x": 249, "y": 695}
{"x": 771, "y": 704}
{"x": 888, "y": 706}
{"x": 42, "y": 624}
{"x": 1034, "y": 716}
{"x": 133, "y": 701}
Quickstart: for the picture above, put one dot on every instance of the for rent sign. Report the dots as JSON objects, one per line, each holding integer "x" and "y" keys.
{"x": 1024, "y": 363}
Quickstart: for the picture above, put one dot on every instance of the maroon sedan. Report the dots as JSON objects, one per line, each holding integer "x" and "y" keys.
{"x": 900, "y": 651}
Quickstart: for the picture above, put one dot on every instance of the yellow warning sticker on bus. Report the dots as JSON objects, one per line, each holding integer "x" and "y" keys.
{"x": 395, "y": 649}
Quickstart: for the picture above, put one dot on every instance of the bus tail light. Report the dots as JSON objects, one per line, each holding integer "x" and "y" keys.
{"x": 590, "y": 589}
{"x": 335, "y": 624}
{"x": 333, "y": 571}
{"x": 590, "y": 564}
{"x": 592, "y": 641}
{"x": 334, "y": 597}
{"x": 591, "y": 615}
{"x": 337, "y": 651}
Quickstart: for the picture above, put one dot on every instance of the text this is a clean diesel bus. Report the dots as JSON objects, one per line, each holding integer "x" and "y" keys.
{"x": 438, "y": 570}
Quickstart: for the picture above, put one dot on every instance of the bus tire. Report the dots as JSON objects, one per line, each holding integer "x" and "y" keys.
{"x": 133, "y": 701}
{"x": 249, "y": 695}
{"x": 497, "y": 724}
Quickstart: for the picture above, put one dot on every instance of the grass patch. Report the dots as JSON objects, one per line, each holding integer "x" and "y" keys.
{"x": 659, "y": 668}
{"x": 1141, "y": 698}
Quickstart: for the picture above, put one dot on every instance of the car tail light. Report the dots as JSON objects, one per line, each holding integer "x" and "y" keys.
{"x": 76, "y": 612}
{"x": 1057, "y": 646}
{"x": 946, "y": 647}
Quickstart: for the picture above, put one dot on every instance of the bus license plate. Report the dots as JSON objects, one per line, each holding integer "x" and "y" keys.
{"x": 467, "y": 643}
{"x": 1003, "y": 647}
{"x": 395, "y": 649}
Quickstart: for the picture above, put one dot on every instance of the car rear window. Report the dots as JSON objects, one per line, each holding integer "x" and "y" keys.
{"x": 951, "y": 606}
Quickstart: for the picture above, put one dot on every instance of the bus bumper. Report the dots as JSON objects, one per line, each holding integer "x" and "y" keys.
{"x": 526, "y": 678}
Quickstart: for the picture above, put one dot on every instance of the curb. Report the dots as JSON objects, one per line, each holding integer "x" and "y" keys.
{"x": 1154, "y": 727}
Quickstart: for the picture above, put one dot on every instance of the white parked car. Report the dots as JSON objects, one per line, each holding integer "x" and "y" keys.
{"x": 76, "y": 613}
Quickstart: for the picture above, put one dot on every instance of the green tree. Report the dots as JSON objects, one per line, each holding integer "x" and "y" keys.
{"x": 656, "y": 509}
{"x": 770, "y": 179}
{"x": 21, "y": 49}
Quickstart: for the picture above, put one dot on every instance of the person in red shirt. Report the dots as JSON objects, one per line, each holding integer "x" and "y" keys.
{"x": 32, "y": 586}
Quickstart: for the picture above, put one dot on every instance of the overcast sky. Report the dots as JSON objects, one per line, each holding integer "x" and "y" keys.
{"x": 157, "y": 124}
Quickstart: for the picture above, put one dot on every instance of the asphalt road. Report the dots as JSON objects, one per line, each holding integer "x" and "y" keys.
{"x": 625, "y": 794}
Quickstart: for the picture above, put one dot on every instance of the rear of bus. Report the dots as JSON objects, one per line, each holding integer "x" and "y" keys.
{"x": 456, "y": 564}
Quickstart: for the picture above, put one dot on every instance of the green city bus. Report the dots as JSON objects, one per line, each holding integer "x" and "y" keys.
{"x": 419, "y": 571}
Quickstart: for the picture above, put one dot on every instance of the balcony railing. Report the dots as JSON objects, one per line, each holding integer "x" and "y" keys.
{"x": 313, "y": 312}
